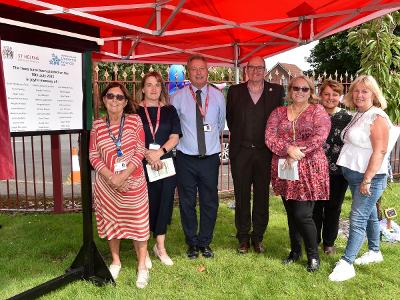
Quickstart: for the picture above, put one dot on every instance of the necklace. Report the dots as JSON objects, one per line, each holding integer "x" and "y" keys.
{"x": 296, "y": 118}
{"x": 353, "y": 121}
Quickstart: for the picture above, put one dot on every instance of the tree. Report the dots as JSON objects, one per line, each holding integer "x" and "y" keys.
{"x": 378, "y": 42}
{"x": 334, "y": 53}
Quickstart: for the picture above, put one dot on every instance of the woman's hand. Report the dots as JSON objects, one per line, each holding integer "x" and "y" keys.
{"x": 365, "y": 189}
{"x": 295, "y": 152}
{"x": 153, "y": 155}
{"x": 124, "y": 187}
{"x": 117, "y": 180}
{"x": 157, "y": 165}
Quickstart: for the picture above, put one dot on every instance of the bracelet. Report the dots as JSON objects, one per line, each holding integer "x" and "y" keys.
{"x": 365, "y": 182}
{"x": 164, "y": 150}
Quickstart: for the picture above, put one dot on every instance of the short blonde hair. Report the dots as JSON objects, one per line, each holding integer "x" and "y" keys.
{"x": 313, "y": 98}
{"x": 370, "y": 83}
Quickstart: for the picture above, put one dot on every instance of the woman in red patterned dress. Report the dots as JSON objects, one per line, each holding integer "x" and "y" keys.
{"x": 120, "y": 191}
{"x": 296, "y": 134}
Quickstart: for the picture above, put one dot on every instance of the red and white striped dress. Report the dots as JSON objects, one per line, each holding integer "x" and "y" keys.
{"x": 120, "y": 215}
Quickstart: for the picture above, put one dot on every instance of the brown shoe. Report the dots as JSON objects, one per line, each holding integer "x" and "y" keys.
{"x": 329, "y": 250}
{"x": 243, "y": 247}
{"x": 258, "y": 247}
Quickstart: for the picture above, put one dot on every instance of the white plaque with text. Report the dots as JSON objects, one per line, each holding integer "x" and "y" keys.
{"x": 43, "y": 87}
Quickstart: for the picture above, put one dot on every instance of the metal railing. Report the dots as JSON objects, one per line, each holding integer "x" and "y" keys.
{"x": 43, "y": 175}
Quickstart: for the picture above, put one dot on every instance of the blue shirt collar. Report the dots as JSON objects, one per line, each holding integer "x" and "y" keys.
{"x": 203, "y": 89}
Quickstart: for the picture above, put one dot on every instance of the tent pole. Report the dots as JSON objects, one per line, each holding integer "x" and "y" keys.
{"x": 236, "y": 53}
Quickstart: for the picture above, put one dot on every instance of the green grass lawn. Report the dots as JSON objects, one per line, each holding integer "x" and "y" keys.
{"x": 35, "y": 248}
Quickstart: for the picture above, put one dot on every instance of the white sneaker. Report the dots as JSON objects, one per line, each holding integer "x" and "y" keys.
{"x": 165, "y": 259}
{"x": 342, "y": 271}
{"x": 148, "y": 262}
{"x": 114, "y": 270}
{"x": 142, "y": 280}
{"x": 369, "y": 257}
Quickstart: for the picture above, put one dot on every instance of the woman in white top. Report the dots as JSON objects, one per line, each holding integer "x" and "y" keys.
{"x": 364, "y": 161}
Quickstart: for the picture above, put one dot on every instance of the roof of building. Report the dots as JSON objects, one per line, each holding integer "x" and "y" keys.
{"x": 291, "y": 69}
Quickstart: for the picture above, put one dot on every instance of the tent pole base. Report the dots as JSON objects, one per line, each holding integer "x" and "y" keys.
{"x": 88, "y": 265}
{"x": 51, "y": 285}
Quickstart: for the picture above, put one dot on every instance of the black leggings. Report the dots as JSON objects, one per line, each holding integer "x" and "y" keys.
{"x": 302, "y": 226}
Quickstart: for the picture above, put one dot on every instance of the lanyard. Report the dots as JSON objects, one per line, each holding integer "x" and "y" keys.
{"x": 202, "y": 112}
{"x": 152, "y": 130}
{"x": 117, "y": 141}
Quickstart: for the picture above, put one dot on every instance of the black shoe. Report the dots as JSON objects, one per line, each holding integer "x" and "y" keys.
{"x": 193, "y": 252}
{"x": 293, "y": 257}
{"x": 206, "y": 251}
{"x": 313, "y": 265}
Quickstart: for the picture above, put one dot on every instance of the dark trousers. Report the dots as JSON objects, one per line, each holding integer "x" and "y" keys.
{"x": 161, "y": 201}
{"x": 327, "y": 213}
{"x": 198, "y": 174}
{"x": 301, "y": 226}
{"x": 251, "y": 167}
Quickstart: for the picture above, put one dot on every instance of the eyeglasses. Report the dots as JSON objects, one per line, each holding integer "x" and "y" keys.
{"x": 258, "y": 68}
{"x": 200, "y": 69}
{"x": 304, "y": 89}
{"x": 111, "y": 96}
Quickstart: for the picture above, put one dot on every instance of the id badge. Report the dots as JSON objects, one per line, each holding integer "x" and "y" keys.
{"x": 120, "y": 166}
{"x": 207, "y": 128}
{"x": 154, "y": 146}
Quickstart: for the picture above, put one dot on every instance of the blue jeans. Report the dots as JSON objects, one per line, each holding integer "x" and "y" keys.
{"x": 363, "y": 215}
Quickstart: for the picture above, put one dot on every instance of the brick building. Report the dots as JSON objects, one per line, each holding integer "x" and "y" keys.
{"x": 282, "y": 73}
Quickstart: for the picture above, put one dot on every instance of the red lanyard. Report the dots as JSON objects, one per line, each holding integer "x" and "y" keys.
{"x": 202, "y": 112}
{"x": 152, "y": 130}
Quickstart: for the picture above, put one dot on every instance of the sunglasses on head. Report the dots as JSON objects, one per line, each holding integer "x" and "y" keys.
{"x": 304, "y": 89}
{"x": 119, "y": 97}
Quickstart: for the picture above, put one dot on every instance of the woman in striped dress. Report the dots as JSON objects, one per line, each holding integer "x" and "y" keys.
{"x": 120, "y": 191}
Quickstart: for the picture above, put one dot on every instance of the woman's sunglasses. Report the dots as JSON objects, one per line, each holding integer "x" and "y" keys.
{"x": 119, "y": 97}
{"x": 302, "y": 88}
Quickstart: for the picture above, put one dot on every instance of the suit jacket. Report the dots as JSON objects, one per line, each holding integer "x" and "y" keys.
{"x": 237, "y": 101}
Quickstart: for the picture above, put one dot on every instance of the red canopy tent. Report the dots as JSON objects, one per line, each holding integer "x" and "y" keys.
{"x": 226, "y": 32}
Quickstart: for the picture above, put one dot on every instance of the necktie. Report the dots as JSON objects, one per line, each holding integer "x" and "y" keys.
{"x": 201, "y": 140}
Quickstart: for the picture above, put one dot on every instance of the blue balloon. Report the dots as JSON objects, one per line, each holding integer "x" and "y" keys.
{"x": 176, "y": 78}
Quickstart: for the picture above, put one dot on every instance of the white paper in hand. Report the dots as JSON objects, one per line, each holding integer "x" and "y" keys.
{"x": 167, "y": 170}
{"x": 287, "y": 171}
